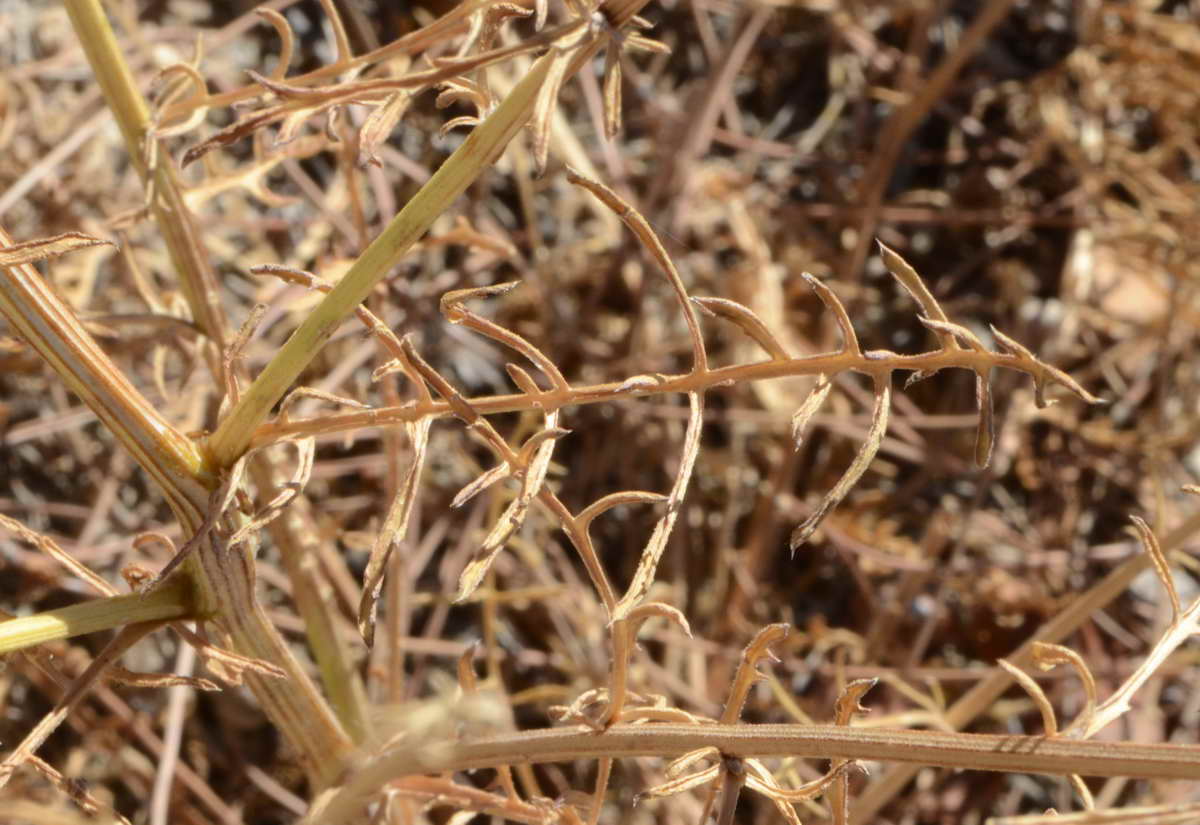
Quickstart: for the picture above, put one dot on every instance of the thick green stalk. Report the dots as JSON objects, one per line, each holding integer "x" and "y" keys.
{"x": 171, "y": 601}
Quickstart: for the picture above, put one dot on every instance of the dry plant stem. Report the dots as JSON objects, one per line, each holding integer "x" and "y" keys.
{"x": 241, "y": 614}
{"x": 174, "y": 220}
{"x": 223, "y": 584}
{"x": 870, "y": 363}
{"x": 477, "y": 153}
{"x": 981, "y": 697}
{"x": 49, "y": 325}
{"x": 413, "y": 43}
{"x": 1018, "y": 754}
{"x": 296, "y": 534}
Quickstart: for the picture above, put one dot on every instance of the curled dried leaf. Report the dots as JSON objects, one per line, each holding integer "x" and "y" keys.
{"x": 606, "y": 503}
{"x": 681, "y": 784}
{"x": 985, "y": 434}
{"x": 834, "y": 304}
{"x": 544, "y": 106}
{"x": 1049, "y": 722}
{"x": 612, "y": 90}
{"x": 912, "y": 283}
{"x": 465, "y": 121}
{"x": 301, "y": 393}
{"x": 536, "y": 465}
{"x": 677, "y": 766}
{"x": 1047, "y": 656}
{"x": 647, "y": 568}
{"x": 452, "y": 304}
{"x": 171, "y": 93}
{"x": 647, "y": 610}
{"x": 484, "y": 480}
{"x": 129, "y": 678}
{"x": 747, "y": 321}
{"x": 306, "y": 449}
{"x": 761, "y": 781}
{"x": 287, "y": 40}
{"x": 379, "y": 125}
{"x": 960, "y": 333}
{"x": 870, "y": 446}
{"x": 639, "y": 382}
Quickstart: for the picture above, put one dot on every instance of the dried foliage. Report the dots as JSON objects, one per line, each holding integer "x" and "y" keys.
{"x": 608, "y": 506}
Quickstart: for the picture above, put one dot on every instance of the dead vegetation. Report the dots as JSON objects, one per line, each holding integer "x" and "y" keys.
{"x": 610, "y": 504}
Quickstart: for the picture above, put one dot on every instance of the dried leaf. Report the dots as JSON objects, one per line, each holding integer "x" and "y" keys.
{"x": 395, "y": 527}
{"x": 1161, "y": 569}
{"x": 643, "y": 578}
{"x": 543, "y": 108}
{"x": 30, "y": 252}
{"x": 612, "y": 91}
{"x": 306, "y": 451}
{"x": 1046, "y": 656}
{"x": 467, "y": 682}
{"x": 1040, "y": 371}
{"x": 761, "y": 781}
{"x": 985, "y": 434}
{"x": 959, "y": 332}
{"x": 847, "y": 705}
{"x": 606, "y": 503}
{"x": 834, "y": 304}
{"x": 747, "y": 321}
{"x": 660, "y": 610}
{"x": 677, "y": 766}
{"x": 484, "y": 480}
{"x": 747, "y": 673}
{"x": 534, "y": 476}
{"x": 379, "y": 125}
{"x": 912, "y": 283}
{"x": 1049, "y": 723}
{"x": 683, "y": 783}
{"x": 286, "y": 38}
{"x": 870, "y": 446}
{"x": 523, "y": 380}
{"x": 812, "y": 403}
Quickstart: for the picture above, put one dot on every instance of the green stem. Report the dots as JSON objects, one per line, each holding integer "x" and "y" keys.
{"x": 223, "y": 578}
{"x": 171, "y": 601}
{"x": 477, "y": 153}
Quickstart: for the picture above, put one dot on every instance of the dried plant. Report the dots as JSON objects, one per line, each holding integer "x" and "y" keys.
{"x": 374, "y": 729}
